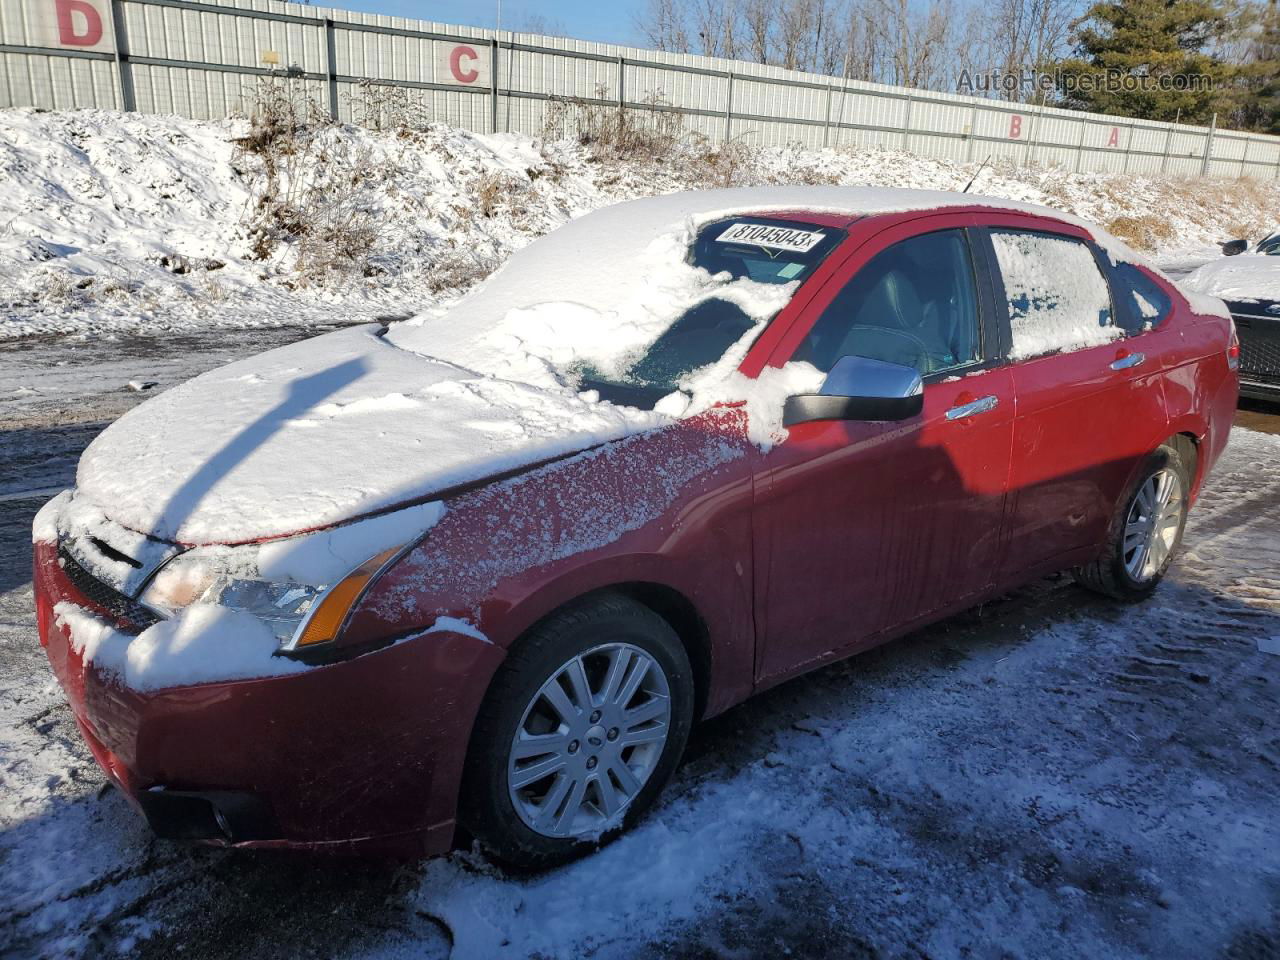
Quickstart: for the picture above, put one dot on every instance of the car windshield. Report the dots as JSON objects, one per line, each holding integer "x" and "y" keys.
{"x": 761, "y": 249}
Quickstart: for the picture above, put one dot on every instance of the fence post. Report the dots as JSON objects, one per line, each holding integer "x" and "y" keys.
{"x": 493, "y": 83}
{"x": 1031, "y": 139}
{"x": 1168, "y": 142}
{"x": 973, "y": 133}
{"x": 128, "y": 97}
{"x": 1128, "y": 145}
{"x": 1084, "y": 128}
{"x": 1244, "y": 154}
{"x": 826, "y": 120}
{"x": 331, "y": 66}
{"x": 622, "y": 80}
{"x": 728, "y": 107}
{"x": 906, "y": 122}
{"x": 1208, "y": 147}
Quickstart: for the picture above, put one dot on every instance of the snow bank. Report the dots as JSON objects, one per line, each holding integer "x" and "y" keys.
{"x": 134, "y": 223}
{"x": 1249, "y": 276}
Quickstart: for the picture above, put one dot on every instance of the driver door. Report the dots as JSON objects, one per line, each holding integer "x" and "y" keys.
{"x": 864, "y": 527}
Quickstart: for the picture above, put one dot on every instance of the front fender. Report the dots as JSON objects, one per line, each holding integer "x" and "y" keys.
{"x": 669, "y": 507}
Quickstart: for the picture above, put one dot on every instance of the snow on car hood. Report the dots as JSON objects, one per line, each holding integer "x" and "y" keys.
{"x": 323, "y": 431}
{"x": 1248, "y": 276}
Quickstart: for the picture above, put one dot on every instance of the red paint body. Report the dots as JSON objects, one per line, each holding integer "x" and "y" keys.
{"x": 841, "y": 537}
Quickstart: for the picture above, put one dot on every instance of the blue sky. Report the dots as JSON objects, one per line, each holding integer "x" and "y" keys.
{"x": 610, "y": 21}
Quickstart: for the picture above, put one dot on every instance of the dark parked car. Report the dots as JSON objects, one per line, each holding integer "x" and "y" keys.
{"x": 1249, "y": 283}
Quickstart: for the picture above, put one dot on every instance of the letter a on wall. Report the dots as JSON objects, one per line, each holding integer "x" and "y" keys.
{"x": 1114, "y": 139}
{"x": 71, "y": 24}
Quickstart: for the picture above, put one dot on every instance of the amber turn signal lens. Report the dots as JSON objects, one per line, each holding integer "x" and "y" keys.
{"x": 327, "y": 618}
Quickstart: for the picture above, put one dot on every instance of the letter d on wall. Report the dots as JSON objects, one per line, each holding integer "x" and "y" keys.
{"x": 72, "y": 24}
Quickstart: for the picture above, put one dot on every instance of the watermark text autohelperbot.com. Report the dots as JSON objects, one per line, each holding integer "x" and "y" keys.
{"x": 1031, "y": 81}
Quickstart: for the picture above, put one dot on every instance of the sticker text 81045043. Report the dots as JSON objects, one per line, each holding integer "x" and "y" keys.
{"x": 779, "y": 238}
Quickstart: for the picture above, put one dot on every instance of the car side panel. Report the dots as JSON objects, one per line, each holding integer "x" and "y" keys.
{"x": 1201, "y": 390}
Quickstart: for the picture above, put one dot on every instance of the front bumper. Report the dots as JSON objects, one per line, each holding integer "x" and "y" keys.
{"x": 364, "y": 755}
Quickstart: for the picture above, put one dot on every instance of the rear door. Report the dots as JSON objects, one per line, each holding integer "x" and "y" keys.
{"x": 1089, "y": 396}
{"x": 861, "y": 527}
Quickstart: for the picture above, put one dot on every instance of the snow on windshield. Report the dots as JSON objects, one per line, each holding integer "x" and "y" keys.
{"x": 536, "y": 324}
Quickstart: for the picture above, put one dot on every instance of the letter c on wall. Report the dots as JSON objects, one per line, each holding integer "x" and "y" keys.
{"x": 463, "y": 74}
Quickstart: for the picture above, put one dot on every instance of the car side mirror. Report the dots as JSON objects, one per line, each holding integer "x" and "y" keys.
{"x": 859, "y": 388}
{"x": 1233, "y": 247}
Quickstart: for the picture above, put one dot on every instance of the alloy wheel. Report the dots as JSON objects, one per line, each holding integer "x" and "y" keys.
{"x": 1151, "y": 529}
{"x": 588, "y": 741}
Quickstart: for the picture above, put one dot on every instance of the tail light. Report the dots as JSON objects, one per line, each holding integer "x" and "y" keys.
{"x": 1233, "y": 349}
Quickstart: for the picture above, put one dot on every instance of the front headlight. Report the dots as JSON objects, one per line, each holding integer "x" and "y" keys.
{"x": 230, "y": 579}
{"x": 299, "y": 615}
{"x": 302, "y": 588}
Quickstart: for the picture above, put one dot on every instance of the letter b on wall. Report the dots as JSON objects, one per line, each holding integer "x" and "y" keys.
{"x": 71, "y": 24}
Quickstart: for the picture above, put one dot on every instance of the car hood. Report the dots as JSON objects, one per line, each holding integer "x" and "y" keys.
{"x": 1248, "y": 276}
{"x": 324, "y": 431}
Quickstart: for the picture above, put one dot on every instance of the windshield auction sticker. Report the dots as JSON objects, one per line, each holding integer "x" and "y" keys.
{"x": 778, "y": 238}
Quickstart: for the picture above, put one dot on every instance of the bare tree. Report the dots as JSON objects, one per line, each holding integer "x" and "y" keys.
{"x": 1018, "y": 35}
{"x": 663, "y": 25}
{"x": 903, "y": 42}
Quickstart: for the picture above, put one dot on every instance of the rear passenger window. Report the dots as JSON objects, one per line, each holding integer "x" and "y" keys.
{"x": 1058, "y": 298}
{"x": 1141, "y": 304}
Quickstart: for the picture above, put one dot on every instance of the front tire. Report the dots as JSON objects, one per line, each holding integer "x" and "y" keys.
{"x": 1146, "y": 532}
{"x": 582, "y": 728}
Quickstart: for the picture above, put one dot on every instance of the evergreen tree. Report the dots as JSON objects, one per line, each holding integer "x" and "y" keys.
{"x": 1149, "y": 59}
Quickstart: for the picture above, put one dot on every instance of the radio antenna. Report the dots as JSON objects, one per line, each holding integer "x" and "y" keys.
{"x": 981, "y": 167}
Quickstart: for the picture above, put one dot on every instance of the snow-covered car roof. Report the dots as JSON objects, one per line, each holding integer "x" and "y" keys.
{"x": 585, "y": 283}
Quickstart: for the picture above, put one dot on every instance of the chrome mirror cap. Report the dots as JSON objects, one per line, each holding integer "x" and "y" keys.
{"x": 864, "y": 377}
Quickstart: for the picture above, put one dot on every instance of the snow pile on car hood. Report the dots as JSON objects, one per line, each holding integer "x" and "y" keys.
{"x": 323, "y": 431}
{"x": 1249, "y": 276}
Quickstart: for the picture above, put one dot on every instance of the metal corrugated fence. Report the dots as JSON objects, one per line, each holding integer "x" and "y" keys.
{"x": 200, "y": 58}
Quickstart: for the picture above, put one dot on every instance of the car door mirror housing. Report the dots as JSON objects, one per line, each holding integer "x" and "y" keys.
{"x": 860, "y": 388}
{"x": 1233, "y": 247}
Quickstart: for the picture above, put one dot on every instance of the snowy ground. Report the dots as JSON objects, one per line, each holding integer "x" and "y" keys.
{"x": 1058, "y": 777}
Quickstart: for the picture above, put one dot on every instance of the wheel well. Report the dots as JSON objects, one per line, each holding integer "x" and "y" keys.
{"x": 675, "y": 608}
{"x": 1188, "y": 447}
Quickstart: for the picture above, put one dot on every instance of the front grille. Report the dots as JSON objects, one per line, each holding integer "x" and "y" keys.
{"x": 1260, "y": 358}
{"x": 1259, "y": 334}
{"x": 108, "y": 598}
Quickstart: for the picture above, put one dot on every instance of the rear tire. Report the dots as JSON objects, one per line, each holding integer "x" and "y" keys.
{"x": 1145, "y": 533}
{"x": 560, "y": 703}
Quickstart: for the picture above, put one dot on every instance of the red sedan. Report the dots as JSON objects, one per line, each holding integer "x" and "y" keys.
{"x": 489, "y": 566}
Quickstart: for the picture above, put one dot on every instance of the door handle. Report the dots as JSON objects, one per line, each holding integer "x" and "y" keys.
{"x": 1127, "y": 361}
{"x": 981, "y": 405}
